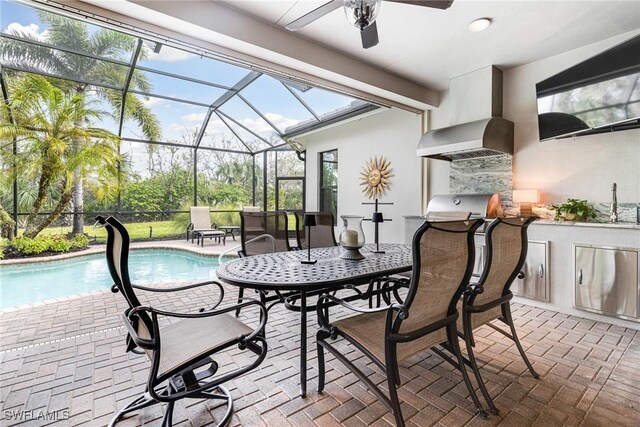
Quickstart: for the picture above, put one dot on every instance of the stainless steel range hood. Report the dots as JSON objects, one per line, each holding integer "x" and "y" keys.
{"x": 477, "y": 127}
{"x": 481, "y": 138}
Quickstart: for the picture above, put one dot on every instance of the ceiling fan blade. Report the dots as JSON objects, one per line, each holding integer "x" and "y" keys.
{"x": 436, "y": 4}
{"x": 316, "y": 13}
{"x": 369, "y": 35}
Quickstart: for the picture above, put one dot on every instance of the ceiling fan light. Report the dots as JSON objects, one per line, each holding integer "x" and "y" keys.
{"x": 361, "y": 13}
{"x": 479, "y": 24}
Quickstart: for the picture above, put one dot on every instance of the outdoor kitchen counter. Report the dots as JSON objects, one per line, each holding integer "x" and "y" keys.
{"x": 560, "y": 238}
{"x": 623, "y": 225}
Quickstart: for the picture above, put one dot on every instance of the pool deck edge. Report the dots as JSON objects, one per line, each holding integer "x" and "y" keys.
{"x": 207, "y": 250}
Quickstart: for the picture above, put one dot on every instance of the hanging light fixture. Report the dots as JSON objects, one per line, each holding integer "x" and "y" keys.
{"x": 361, "y": 13}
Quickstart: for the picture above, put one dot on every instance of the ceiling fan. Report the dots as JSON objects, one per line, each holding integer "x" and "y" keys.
{"x": 362, "y": 14}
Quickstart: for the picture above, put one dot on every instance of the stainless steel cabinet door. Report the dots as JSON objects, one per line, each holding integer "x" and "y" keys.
{"x": 606, "y": 280}
{"x": 533, "y": 281}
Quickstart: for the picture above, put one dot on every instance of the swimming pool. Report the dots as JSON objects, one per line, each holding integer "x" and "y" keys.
{"x": 29, "y": 283}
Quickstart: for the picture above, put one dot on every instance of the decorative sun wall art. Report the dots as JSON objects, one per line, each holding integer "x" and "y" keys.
{"x": 375, "y": 177}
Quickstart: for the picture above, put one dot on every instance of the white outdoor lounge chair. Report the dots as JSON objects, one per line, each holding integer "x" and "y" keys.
{"x": 201, "y": 226}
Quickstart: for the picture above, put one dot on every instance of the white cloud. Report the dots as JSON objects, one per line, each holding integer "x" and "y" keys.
{"x": 194, "y": 117}
{"x": 32, "y": 30}
{"x": 151, "y": 102}
{"x": 280, "y": 121}
{"x": 167, "y": 54}
{"x": 175, "y": 127}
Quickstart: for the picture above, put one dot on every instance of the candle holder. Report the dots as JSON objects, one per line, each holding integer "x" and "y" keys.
{"x": 377, "y": 218}
{"x": 351, "y": 237}
{"x": 309, "y": 220}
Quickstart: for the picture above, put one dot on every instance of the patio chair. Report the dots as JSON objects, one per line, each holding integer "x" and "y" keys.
{"x": 322, "y": 234}
{"x": 182, "y": 352}
{"x": 443, "y": 261}
{"x": 488, "y": 300}
{"x": 262, "y": 233}
{"x": 201, "y": 226}
{"x": 402, "y": 279}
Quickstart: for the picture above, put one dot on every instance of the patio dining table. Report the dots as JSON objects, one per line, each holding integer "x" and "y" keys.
{"x": 283, "y": 271}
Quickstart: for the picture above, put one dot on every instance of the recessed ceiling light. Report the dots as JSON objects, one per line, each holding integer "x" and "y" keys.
{"x": 479, "y": 24}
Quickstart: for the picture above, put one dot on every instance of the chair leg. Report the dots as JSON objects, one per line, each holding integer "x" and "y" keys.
{"x": 453, "y": 340}
{"x": 137, "y": 403}
{"x": 240, "y": 295}
{"x": 509, "y": 320}
{"x": 167, "y": 420}
{"x": 392, "y": 382}
{"x": 321, "y": 366}
{"x": 468, "y": 339}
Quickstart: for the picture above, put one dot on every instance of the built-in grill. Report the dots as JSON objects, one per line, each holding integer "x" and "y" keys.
{"x": 480, "y": 205}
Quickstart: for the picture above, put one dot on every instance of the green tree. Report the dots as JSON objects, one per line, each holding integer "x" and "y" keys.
{"x": 74, "y": 35}
{"x": 54, "y": 148}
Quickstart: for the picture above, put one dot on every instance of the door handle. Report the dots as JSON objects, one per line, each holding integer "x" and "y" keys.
{"x": 580, "y": 277}
{"x": 541, "y": 271}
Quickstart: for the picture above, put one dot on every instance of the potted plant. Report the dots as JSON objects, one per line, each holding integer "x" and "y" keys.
{"x": 574, "y": 210}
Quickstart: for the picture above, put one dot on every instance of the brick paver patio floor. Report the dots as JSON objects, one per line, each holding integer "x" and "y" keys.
{"x": 68, "y": 356}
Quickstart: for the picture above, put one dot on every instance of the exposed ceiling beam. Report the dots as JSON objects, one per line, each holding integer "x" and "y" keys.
{"x": 246, "y": 38}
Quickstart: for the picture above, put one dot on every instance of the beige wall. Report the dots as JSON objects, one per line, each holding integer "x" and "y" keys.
{"x": 391, "y": 133}
{"x": 583, "y": 167}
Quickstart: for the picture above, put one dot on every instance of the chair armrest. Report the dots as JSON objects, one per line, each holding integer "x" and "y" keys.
{"x": 128, "y": 318}
{"x": 473, "y": 289}
{"x": 185, "y": 287}
{"x": 322, "y": 308}
{"x": 348, "y": 305}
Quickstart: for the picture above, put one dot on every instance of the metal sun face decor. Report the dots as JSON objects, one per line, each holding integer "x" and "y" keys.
{"x": 375, "y": 177}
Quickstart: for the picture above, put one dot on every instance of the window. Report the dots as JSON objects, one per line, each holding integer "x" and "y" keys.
{"x": 328, "y": 183}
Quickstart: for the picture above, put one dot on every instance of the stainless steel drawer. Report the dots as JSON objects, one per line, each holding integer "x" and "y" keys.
{"x": 606, "y": 280}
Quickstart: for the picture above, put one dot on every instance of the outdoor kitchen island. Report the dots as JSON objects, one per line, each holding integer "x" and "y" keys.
{"x": 590, "y": 270}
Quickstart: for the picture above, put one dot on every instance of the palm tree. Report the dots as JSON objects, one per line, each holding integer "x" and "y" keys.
{"x": 53, "y": 148}
{"x": 74, "y": 35}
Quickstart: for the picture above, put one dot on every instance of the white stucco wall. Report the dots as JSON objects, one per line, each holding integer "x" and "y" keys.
{"x": 393, "y": 134}
{"x": 583, "y": 167}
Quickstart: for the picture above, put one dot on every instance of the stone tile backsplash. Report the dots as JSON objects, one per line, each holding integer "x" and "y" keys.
{"x": 482, "y": 175}
{"x": 495, "y": 175}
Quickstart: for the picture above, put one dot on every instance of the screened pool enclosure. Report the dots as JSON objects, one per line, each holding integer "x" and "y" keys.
{"x": 192, "y": 127}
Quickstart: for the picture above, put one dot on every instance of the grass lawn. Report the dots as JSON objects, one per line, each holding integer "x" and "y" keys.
{"x": 137, "y": 231}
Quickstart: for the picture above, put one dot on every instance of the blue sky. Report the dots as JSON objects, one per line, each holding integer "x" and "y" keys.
{"x": 267, "y": 94}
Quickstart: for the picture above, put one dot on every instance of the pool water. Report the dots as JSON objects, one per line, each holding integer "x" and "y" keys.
{"x": 29, "y": 283}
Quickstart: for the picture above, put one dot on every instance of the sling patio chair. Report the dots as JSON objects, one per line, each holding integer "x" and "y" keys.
{"x": 489, "y": 299}
{"x": 181, "y": 353}
{"x": 443, "y": 255}
{"x": 322, "y": 234}
{"x": 201, "y": 226}
{"x": 262, "y": 233}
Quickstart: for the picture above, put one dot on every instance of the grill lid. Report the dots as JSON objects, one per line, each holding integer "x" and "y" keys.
{"x": 480, "y": 205}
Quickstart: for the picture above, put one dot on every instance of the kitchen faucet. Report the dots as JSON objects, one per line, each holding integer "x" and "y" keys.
{"x": 614, "y": 203}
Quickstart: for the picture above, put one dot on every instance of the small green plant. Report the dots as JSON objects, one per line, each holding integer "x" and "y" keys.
{"x": 79, "y": 241}
{"x": 29, "y": 246}
{"x": 26, "y": 246}
{"x": 574, "y": 210}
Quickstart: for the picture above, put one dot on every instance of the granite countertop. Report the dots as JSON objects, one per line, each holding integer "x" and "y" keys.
{"x": 624, "y": 225}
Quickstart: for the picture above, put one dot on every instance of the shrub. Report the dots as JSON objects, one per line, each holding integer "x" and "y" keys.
{"x": 25, "y": 246}
{"x": 1, "y": 253}
{"x": 58, "y": 244}
{"x": 29, "y": 246}
{"x": 79, "y": 241}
